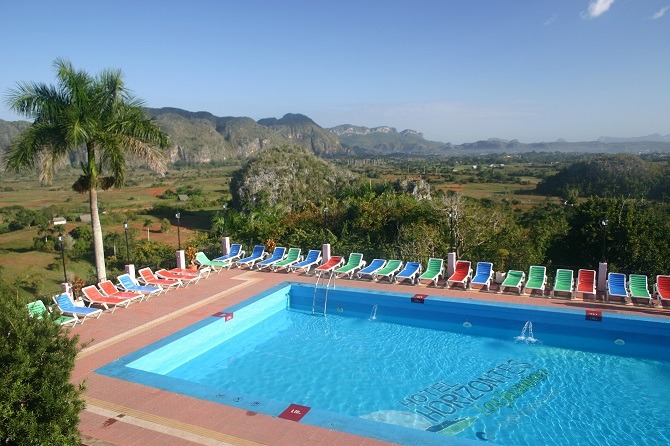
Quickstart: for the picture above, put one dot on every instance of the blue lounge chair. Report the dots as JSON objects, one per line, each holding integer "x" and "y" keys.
{"x": 235, "y": 252}
{"x": 257, "y": 254}
{"x": 130, "y": 284}
{"x": 410, "y": 272}
{"x": 67, "y": 307}
{"x": 313, "y": 258}
{"x": 278, "y": 254}
{"x": 371, "y": 269}
{"x": 616, "y": 286}
{"x": 483, "y": 275}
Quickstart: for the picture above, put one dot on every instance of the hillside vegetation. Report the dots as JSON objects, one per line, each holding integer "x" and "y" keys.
{"x": 609, "y": 176}
{"x": 286, "y": 177}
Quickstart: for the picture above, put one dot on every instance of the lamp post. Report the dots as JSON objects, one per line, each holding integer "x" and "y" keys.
{"x": 603, "y": 223}
{"x": 325, "y": 216}
{"x": 178, "y": 215}
{"x": 125, "y": 228}
{"x": 62, "y": 253}
{"x": 451, "y": 229}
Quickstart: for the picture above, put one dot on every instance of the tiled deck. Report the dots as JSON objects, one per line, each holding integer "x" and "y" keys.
{"x": 123, "y": 413}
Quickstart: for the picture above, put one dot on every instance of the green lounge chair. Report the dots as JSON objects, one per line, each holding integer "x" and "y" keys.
{"x": 389, "y": 270}
{"x": 537, "y": 279}
{"x": 434, "y": 270}
{"x": 203, "y": 261}
{"x": 37, "y": 310}
{"x": 514, "y": 279}
{"x": 354, "y": 263}
{"x": 564, "y": 282}
{"x": 292, "y": 257}
{"x": 638, "y": 285}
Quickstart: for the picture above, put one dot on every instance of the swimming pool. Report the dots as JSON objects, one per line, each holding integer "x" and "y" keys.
{"x": 435, "y": 371}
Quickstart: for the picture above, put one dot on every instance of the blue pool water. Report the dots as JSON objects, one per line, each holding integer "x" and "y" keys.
{"x": 441, "y": 372}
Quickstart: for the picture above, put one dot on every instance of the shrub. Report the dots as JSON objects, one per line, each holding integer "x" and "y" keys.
{"x": 38, "y": 403}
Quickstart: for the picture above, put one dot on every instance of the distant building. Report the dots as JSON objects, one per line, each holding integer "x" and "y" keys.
{"x": 58, "y": 221}
{"x": 182, "y": 197}
{"x": 85, "y": 218}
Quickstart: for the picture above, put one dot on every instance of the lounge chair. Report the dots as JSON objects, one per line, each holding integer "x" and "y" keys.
{"x": 130, "y": 284}
{"x": 462, "y": 274}
{"x": 354, "y": 263}
{"x": 203, "y": 261}
{"x": 537, "y": 279}
{"x": 329, "y": 266}
{"x": 235, "y": 252}
{"x": 389, "y": 270}
{"x": 67, "y": 307}
{"x": 186, "y": 277}
{"x": 662, "y": 288}
{"x": 257, "y": 254}
{"x": 293, "y": 256}
{"x": 586, "y": 282}
{"x": 149, "y": 278}
{"x": 410, "y": 272}
{"x": 564, "y": 282}
{"x": 109, "y": 290}
{"x": 93, "y": 296}
{"x": 638, "y": 286}
{"x": 313, "y": 258}
{"x": 278, "y": 254}
{"x": 514, "y": 279}
{"x": 434, "y": 270}
{"x": 483, "y": 275}
{"x": 38, "y": 310}
{"x": 616, "y": 287}
{"x": 371, "y": 269}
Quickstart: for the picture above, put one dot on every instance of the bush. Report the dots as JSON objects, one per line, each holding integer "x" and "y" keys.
{"x": 38, "y": 404}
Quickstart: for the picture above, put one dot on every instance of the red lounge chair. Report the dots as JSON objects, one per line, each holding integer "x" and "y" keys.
{"x": 147, "y": 276}
{"x": 93, "y": 296}
{"x": 586, "y": 282}
{"x": 462, "y": 274}
{"x": 329, "y": 266}
{"x": 663, "y": 290}
{"x": 110, "y": 290}
{"x": 185, "y": 278}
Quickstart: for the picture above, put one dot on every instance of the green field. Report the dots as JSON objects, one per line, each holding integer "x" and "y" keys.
{"x": 140, "y": 205}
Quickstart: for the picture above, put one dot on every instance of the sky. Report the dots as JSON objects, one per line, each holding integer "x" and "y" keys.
{"x": 455, "y": 70}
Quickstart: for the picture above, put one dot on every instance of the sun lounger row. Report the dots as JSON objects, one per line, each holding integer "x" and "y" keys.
{"x": 291, "y": 260}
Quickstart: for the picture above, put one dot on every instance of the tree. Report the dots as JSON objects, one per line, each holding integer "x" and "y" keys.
{"x": 97, "y": 114}
{"x": 38, "y": 403}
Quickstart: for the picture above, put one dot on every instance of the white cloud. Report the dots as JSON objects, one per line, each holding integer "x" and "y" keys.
{"x": 550, "y": 20}
{"x": 596, "y": 8}
{"x": 660, "y": 13}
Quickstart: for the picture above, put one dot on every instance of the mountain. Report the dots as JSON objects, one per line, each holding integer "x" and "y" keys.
{"x": 385, "y": 140}
{"x": 203, "y": 137}
{"x": 656, "y": 137}
{"x": 197, "y": 137}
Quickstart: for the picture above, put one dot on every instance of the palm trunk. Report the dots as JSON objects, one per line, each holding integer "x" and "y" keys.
{"x": 98, "y": 248}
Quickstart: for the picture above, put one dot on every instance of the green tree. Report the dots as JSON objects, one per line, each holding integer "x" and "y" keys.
{"x": 38, "y": 403}
{"x": 96, "y": 113}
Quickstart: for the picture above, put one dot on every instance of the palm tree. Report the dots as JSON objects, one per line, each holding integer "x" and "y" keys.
{"x": 96, "y": 114}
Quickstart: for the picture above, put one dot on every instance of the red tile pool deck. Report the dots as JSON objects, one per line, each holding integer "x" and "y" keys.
{"x": 123, "y": 414}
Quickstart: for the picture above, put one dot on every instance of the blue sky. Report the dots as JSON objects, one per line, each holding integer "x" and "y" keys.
{"x": 456, "y": 70}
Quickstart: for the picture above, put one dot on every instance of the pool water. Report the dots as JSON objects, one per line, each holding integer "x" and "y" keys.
{"x": 441, "y": 376}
